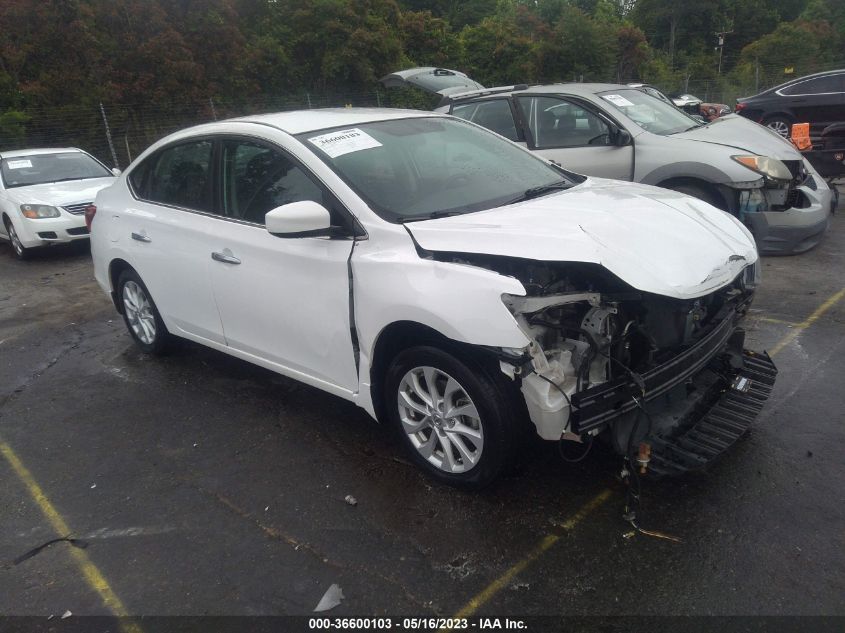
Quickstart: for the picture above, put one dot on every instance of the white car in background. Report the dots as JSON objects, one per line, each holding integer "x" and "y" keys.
{"x": 44, "y": 194}
{"x": 454, "y": 285}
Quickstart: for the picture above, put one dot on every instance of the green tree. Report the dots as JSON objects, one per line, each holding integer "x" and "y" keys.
{"x": 497, "y": 52}
{"x": 632, "y": 52}
{"x": 801, "y": 45}
{"x": 343, "y": 45}
{"x": 428, "y": 40}
{"x": 579, "y": 47}
{"x": 13, "y": 128}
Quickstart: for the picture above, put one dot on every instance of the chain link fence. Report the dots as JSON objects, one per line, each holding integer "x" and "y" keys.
{"x": 756, "y": 78}
{"x": 116, "y": 133}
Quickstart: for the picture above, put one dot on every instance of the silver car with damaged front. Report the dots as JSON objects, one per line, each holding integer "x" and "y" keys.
{"x": 621, "y": 132}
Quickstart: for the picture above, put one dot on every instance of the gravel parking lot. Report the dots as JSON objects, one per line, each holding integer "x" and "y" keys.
{"x": 206, "y": 486}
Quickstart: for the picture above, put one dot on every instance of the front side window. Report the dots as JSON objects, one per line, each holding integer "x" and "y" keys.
{"x": 181, "y": 176}
{"x": 555, "y": 122}
{"x": 494, "y": 114}
{"x": 257, "y": 179}
{"x": 416, "y": 168}
{"x": 653, "y": 115}
{"x": 36, "y": 169}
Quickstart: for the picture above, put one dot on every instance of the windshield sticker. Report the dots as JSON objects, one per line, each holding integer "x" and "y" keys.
{"x": 618, "y": 100}
{"x": 18, "y": 164}
{"x": 344, "y": 142}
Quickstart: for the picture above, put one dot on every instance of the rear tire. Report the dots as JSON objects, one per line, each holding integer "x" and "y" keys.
{"x": 779, "y": 123}
{"x": 20, "y": 251}
{"x": 454, "y": 420}
{"x": 141, "y": 315}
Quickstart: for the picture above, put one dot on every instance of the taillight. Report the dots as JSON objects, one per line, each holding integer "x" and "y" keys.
{"x": 90, "y": 212}
{"x": 739, "y": 106}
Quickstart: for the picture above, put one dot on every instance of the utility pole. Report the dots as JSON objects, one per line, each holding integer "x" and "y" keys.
{"x": 108, "y": 135}
{"x": 720, "y": 46}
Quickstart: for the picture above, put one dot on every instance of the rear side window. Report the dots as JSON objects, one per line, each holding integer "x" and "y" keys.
{"x": 494, "y": 114}
{"x": 179, "y": 176}
{"x": 819, "y": 85}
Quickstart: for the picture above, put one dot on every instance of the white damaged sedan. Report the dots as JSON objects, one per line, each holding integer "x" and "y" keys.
{"x": 454, "y": 285}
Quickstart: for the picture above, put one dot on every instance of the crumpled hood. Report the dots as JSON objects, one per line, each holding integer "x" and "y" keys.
{"x": 61, "y": 193}
{"x": 735, "y": 131}
{"x": 654, "y": 239}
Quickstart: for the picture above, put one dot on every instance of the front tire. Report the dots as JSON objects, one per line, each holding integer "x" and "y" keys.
{"x": 455, "y": 421}
{"x": 20, "y": 251}
{"x": 141, "y": 315}
{"x": 700, "y": 192}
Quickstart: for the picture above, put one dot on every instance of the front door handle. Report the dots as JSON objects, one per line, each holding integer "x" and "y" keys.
{"x": 225, "y": 256}
{"x": 141, "y": 237}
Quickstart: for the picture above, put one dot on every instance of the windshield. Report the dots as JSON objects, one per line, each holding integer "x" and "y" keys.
{"x": 651, "y": 114}
{"x": 410, "y": 169}
{"x": 36, "y": 169}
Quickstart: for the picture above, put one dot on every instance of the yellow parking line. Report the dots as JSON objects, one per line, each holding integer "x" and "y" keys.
{"x": 800, "y": 327}
{"x": 778, "y": 321}
{"x": 502, "y": 581}
{"x": 89, "y": 571}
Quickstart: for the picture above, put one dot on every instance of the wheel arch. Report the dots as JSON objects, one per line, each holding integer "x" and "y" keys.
{"x": 783, "y": 114}
{"x": 708, "y": 187}
{"x": 116, "y": 268}
{"x": 6, "y": 218}
{"x": 401, "y": 335}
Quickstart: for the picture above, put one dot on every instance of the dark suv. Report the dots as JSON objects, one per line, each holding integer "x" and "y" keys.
{"x": 815, "y": 99}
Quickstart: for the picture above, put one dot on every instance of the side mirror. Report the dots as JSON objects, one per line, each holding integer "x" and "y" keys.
{"x": 116, "y": 171}
{"x": 299, "y": 219}
{"x": 623, "y": 137}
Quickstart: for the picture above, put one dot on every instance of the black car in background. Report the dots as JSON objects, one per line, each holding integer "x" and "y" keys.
{"x": 817, "y": 99}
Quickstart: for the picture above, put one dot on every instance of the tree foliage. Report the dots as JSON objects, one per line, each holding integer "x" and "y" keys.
{"x": 62, "y": 53}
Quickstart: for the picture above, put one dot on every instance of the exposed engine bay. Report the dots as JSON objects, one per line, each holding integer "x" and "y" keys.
{"x": 602, "y": 354}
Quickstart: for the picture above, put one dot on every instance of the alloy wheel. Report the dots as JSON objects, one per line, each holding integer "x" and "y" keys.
{"x": 440, "y": 419}
{"x": 13, "y": 236}
{"x": 139, "y": 312}
{"x": 781, "y": 127}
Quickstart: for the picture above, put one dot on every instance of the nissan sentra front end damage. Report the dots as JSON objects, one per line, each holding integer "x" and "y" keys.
{"x": 602, "y": 354}
{"x": 599, "y": 359}
{"x": 647, "y": 352}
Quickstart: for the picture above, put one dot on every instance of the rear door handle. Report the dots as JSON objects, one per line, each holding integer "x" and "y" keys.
{"x": 141, "y": 237}
{"x": 225, "y": 256}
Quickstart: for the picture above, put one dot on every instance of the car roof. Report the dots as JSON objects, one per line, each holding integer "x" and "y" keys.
{"x": 571, "y": 88}
{"x": 40, "y": 150}
{"x": 301, "y": 121}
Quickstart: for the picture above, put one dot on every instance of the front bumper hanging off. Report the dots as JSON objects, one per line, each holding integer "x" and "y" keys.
{"x": 700, "y": 402}
{"x": 707, "y": 436}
